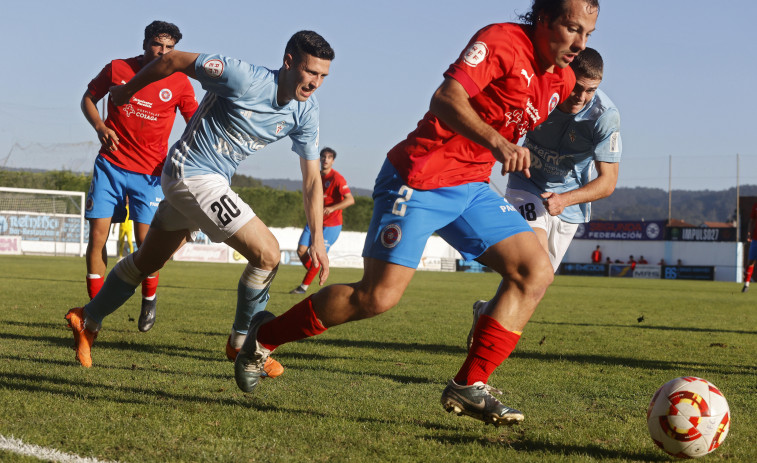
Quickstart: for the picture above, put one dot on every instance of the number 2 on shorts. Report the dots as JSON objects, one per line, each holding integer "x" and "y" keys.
{"x": 399, "y": 206}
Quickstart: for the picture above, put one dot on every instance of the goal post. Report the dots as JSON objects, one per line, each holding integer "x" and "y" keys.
{"x": 45, "y": 221}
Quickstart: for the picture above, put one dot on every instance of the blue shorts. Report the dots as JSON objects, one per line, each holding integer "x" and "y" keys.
{"x": 112, "y": 184}
{"x": 470, "y": 217}
{"x": 752, "y": 251}
{"x": 330, "y": 235}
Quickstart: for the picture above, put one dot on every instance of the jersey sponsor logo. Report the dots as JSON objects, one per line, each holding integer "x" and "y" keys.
{"x": 165, "y": 95}
{"x": 391, "y": 235}
{"x": 146, "y": 104}
{"x": 213, "y": 68}
{"x": 614, "y": 142}
{"x": 532, "y": 111}
{"x": 553, "y": 100}
{"x": 475, "y": 54}
{"x": 528, "y": 78}
{"x": 280, "y": 126}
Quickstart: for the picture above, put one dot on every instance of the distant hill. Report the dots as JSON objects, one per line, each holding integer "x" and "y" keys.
{"x": 695, "y": 207}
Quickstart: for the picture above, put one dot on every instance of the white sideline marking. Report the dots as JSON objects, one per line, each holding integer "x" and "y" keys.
{"x": 17, "y": 446}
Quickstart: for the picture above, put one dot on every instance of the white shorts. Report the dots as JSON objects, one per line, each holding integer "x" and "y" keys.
{"x": 559, "y": 233}
{"x": 203, "y": 202}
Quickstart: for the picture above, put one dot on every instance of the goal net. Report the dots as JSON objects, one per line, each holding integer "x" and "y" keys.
{"x": 44, "y": 221}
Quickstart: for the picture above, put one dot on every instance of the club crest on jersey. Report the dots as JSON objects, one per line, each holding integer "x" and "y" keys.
{"x": 553, "y": 102}
{"x": 327, "y": 184}
{"x": 165, "y": 95}
{"x": 280, "y": 126}
{"x": 213, "y": 68}
{"x": 128, "y": 110}
{"x": 572, "y": 135}
{"x": 391, "y": 235}
{"x": 475, "y": 54}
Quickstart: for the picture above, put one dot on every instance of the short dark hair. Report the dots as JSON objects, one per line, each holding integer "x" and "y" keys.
{"x": 552, "y": 9}
{"x": 158, "y": 28}
{"x": 588, "y": 63}
{"x": 310, "y": 43}
{"x": 328, "y": 150}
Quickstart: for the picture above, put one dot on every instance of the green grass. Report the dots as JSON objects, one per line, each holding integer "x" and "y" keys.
{"x": 369, "y": 391}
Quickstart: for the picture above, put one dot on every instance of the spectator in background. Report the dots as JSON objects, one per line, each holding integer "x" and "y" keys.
{"x": 752, "y": 254}
{"x": 632, "y": 261}
{"x": 642, "y": 260}
{"x": 608, "y": 261}
{"x": 596, "y": 256}
{"x": 125, "y": 234}
{"x": 661, "y": 262}
{"x": 679, "y": 262}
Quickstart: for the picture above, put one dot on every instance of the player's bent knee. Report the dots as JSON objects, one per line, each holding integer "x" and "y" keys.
{"x": 270, "y": 257}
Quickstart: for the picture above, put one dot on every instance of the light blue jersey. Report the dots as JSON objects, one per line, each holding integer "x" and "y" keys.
{"x": 238, "y": 116}
{"x": 564, "y": 148}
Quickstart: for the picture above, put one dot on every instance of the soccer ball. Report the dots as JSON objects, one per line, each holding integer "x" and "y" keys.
{"x": 688, "y": 417}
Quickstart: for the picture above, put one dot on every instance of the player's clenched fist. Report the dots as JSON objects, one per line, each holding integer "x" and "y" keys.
{"x": 514, "y": 158}
{"x": 118, "y": 95}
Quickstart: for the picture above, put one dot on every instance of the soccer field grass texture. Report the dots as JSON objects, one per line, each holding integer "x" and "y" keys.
{"x": 583, "y": 373}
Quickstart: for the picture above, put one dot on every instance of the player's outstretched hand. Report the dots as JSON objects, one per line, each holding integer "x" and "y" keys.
{"x": 318, "y": 255}
{"x": 108, "y": 138}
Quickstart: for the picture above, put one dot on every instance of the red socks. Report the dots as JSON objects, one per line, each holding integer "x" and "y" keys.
{"x": 748, "y": 274}
{"x": 149, "y": 286}
{"x": 310, "y": 276}
{"x": 492, "y": 344}
{"x": 299, "y": 322}
{"x": 94, "y": 283}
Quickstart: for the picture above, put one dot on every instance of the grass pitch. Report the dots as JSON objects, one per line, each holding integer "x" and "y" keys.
{"x": 583, "y": 373}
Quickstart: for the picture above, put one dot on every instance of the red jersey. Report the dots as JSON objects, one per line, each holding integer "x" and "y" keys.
{"x": 144, "y": 125}
{"x": 335, "y": 189}
{"x": 508, "y": 91}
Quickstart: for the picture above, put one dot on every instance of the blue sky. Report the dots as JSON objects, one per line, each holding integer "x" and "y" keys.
{"x": 680, "y": 71}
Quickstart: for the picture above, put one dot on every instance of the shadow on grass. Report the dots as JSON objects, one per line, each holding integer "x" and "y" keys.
{"x": 88, "y": 390}
{"x": 645, "y": 327}
{"x": 525, "y": 444}
{"x": 151, "y": 347}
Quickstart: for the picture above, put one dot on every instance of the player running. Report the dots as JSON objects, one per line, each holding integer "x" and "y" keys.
{"x": 752, "y": 253}
{"x": 582, "y": 135}
{"x": 336, "y": 198}
{"x": 503, "y": 85}
{"x": 134, "y": 141}
{"x": 245, "y": 108}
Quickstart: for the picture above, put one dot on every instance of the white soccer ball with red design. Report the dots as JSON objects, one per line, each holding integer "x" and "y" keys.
{"x": 688, "y": 417}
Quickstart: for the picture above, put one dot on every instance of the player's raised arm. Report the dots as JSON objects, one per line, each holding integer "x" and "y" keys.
{"x": 176, "y": 61}
{"x": 451, "y": 104}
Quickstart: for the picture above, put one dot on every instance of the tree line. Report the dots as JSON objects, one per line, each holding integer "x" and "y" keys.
{"x": 275, "y": 207}
{"x": 282, "y": 208}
